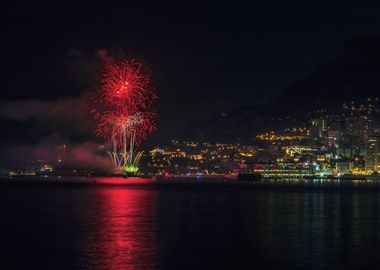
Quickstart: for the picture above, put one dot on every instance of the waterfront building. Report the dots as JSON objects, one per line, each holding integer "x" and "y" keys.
{"x": 358, "y": 129}
{"x": 343, "y": 167}
{"x": 372, "y": 155}
{"x": 333, "y": 137}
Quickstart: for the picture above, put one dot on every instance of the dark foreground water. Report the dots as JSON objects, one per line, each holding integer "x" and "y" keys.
{"x": 113, "y": 224}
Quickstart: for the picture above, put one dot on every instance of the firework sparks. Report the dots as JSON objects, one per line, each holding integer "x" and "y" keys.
{"x": 127, "y": 118}
{"x": 114, "y": 125}
{"x": 124, "y": 84}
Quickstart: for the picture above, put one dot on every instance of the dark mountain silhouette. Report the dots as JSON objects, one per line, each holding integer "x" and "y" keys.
{"x": 353, "y": 75}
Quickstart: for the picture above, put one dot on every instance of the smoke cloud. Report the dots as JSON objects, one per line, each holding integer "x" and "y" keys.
{"x": 103, "y": 54}
{"x": 69, "y": 117}
{"x": 52, "y": 150}
{"x": 66, "y": 121}
{"x": 34, "y": 128}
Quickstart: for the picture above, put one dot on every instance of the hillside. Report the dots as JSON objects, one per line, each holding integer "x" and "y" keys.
{"x": 354, "y": 74}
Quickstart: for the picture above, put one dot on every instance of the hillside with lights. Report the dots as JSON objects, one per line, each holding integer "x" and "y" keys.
{"x": 352, "y": 77}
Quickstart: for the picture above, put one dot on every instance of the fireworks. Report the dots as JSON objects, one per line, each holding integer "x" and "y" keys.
{"x": 125, "y": 85}
{"x": 127, "y": 117}
{"x": 115, "y": 125}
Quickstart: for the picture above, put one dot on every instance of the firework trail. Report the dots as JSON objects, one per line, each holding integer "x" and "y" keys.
{"x": 127, "y": 117}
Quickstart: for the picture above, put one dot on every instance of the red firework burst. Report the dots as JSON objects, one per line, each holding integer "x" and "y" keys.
{"x": 125, "y": 84}
{"x": 120, "y": 124}
{"x": 127, "y": 99}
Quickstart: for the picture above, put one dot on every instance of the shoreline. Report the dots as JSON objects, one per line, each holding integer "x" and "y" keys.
{"x": 215, "y": 184}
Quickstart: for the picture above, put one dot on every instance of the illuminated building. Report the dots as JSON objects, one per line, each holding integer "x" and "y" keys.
{"x": 358, "y": 129}
{"x": 175, "y": 154}
{"x": 318, "y": 127}
{"x": 289, "y": 134}
{"x": 195, "y": 156}
{"x": 372, "y": 155}
{"x": 332, "y": 137}
{"x": 343, "y": 167}
{"x": 284, "y": 170}
{"x": 298, "y": 149}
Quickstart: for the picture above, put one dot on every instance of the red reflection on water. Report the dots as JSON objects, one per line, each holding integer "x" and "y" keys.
{"x": 125, "y": 238}
{"x": 122, "y": 181}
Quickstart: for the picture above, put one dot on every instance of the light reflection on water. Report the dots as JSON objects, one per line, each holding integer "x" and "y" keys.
{"x": 123, "y": 181}
{"x": 124, "y": 235}
{"x": 321, "y": 183}
{"x": 120, "y": 223}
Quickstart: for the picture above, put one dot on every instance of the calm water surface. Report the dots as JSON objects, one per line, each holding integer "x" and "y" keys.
{"x": 114, "y": 224}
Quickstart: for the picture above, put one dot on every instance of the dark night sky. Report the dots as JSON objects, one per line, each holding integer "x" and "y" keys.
{"x": 204, "y": 58}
